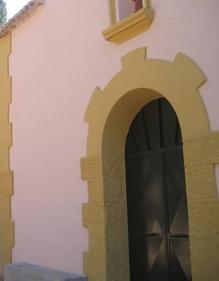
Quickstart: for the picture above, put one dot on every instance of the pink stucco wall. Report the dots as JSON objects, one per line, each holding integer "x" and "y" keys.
{"x": 58, "y": 57}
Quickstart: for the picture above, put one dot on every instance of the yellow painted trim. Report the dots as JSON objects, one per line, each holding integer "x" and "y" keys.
{"x": 112, "y": 11}
{"x": 6, "y": 225}
{"x": 109, "y": 114}
{"x": 130, "y": 26}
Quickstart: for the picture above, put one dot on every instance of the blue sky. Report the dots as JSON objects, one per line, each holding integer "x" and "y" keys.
{"x": 13, "y": 6}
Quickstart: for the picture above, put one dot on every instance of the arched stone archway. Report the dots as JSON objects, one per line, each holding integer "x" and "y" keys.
{"x": 109, "y": 114}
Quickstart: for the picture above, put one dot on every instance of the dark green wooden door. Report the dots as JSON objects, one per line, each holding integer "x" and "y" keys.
{"x": 156, "y": 197}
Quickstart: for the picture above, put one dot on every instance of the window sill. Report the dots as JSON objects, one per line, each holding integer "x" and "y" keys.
{"x": 130, "y": 26}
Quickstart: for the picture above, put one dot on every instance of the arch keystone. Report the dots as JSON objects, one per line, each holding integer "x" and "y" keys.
{"x": 134, "y": 57}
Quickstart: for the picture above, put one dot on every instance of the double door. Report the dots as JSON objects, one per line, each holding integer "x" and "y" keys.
{"x": 157, "y": 208}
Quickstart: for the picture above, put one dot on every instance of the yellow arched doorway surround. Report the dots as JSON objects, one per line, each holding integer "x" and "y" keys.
{"x": 109, "y": 114}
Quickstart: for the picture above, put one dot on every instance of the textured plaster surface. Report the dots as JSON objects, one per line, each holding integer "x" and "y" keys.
{"x": 6, "y": 225}
{"x": 109, "y": 115}
{"x": 200, "y": 156}
{"x": 217, "y": 177}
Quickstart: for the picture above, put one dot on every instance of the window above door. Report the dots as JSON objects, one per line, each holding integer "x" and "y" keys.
{"x": 128, "y": 19}
{"x": 124, "y": 8}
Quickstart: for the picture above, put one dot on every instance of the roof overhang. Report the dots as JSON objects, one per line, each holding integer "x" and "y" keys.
{"x": 24, "y": 14}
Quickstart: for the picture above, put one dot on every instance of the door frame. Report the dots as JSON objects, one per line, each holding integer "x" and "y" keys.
{"x": 109, "y": 114}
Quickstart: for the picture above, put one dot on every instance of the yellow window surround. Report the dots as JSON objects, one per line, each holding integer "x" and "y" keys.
{"x": 130, "y": 26}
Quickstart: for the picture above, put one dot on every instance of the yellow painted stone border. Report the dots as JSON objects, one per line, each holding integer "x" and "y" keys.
{"x": 109, "y": 114}
{"x": 130, "y": 26}
{"x": 112, "y": 11}
{"x": 6, "y": 225}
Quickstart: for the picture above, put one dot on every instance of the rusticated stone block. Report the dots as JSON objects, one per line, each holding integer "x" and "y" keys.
{"x": 90, "y": 261}
{"x": 205, "y": 216}
{"x": 93, "y": 214}
{"x": 205, "y": 254}
{"x": 200, "y": 182}
{"x": 31, "y": 272}
{"x": 197, "y": 152}
{"x": 91, "y": 168}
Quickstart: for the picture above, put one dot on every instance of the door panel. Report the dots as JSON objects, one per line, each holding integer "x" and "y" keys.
{"x": 159, "y": 270}
{"x": 151, "y": 121}
{"x": 176, "y": 193}
{"x": 146, "y": 217}
{"x": 156, "y": 197}
{"x": 180, "y": 259}
{"x": 145, "y": 196}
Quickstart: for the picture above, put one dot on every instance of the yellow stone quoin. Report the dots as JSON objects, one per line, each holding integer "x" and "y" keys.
{"x": 109, "y": 114}
{"x": 6, "y": 178}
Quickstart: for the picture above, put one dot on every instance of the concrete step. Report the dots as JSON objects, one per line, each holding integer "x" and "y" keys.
{"x": 31, "y": 272}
